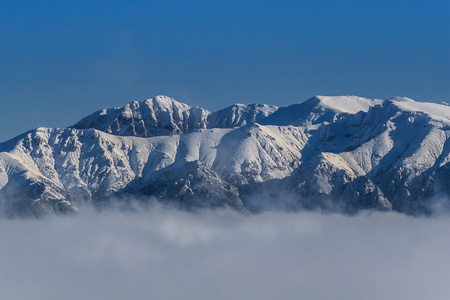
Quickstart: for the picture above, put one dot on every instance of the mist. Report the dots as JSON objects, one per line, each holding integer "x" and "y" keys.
{"x": 162, "y": 253}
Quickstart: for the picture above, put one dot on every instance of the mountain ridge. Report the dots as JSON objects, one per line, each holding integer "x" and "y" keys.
{"x": 341, "y": 153}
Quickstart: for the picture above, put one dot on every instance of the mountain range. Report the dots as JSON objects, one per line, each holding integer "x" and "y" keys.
{"x": 340, "y": 154}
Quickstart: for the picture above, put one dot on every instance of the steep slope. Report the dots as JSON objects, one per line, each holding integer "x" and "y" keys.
{"x": 400, "y": 147}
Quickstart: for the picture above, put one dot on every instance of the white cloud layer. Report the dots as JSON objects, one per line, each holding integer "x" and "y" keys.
{"x": 167, "y": 254}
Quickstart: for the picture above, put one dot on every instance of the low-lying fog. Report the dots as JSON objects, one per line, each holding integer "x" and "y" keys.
{"x": 167, "y": 254}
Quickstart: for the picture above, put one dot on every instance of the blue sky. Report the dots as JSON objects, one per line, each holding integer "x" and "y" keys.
{"x": 61, "y": 60}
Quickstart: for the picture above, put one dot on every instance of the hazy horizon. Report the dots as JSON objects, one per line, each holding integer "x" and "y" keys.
{"x": 164, "y": 253}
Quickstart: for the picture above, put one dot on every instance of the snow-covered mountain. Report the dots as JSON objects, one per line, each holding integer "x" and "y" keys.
{"x": 343, "y": 154}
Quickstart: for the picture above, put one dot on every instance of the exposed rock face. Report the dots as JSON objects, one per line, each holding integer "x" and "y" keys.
{"x": 158, "y": 116}
{"x": 192, "y": 184}
{"x": 341, "y": 154}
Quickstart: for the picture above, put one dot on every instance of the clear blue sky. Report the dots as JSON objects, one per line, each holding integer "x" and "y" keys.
{"x": 61, "y": 60}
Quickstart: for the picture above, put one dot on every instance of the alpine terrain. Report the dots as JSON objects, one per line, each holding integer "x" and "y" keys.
{"x": 342, "y": 154}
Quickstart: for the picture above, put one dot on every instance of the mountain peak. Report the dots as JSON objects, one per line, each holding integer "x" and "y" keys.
{"x": 160, "y": 115}
{"x": 165, "y": 103}
{"x": 346, "y": 104}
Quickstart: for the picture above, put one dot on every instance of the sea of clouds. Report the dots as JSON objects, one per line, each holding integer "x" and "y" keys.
{"x": 162, "y": 253}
